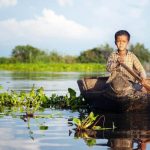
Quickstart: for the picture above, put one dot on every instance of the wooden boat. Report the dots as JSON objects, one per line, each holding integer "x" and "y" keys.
{"x": 95, "y": 93}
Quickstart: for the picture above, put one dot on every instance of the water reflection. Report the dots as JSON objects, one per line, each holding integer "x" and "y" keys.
{"x": 132, "y": 132}
{"x": 49, "y": 129}
{"x": 52, "y": 82}
{"x": 46, "y": 129}
{"x": 47, "y": 75}
{"x": 21, "y": 131}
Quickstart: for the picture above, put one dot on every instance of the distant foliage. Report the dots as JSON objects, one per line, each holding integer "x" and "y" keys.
{"x": 27, "y": 54}
{"x": 69, "y": 59}
{"x": 141, "y": 52}
{"x": 30, "y": 54}
{"x": 95, "y": 55}
{"x": 106, "y": 50}
{"x": 4, "y": 60}
{"x": 54, "y": 56}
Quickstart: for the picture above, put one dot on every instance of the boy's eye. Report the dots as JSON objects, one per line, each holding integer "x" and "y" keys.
{"x": 121, "y": 41}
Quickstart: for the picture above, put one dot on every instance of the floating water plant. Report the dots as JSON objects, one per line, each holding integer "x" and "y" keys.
{"x": 88, "y": 127}
{"x": 90, "y": 122}
{"x": 36, "y": 99}
{"x": 68, "y": 101}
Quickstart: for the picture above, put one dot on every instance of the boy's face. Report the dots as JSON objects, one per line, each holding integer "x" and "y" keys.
{"x": 122, "y": 42}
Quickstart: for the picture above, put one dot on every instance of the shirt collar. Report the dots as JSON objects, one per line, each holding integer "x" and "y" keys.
{"x": 128, "y": 52}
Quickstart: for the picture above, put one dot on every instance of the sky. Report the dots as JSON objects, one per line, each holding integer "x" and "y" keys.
{"x": 71, "y": 26}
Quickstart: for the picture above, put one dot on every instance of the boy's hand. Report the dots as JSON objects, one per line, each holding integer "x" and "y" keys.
{"x": 144, "y": 81}
{"x": 120, "y": 60}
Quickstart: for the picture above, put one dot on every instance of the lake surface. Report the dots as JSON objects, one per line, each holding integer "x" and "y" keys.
{"x": 21, "y": 132}
{"x": 51, "y": 82}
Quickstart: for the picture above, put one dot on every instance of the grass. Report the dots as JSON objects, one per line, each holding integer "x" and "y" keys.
{"x": 54, "y": 67}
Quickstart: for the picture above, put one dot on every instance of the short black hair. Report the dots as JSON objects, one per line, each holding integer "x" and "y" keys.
{"x": 122, "y": 32}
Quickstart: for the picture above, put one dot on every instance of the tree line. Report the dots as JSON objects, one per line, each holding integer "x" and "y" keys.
{"x": 30, "y": 54}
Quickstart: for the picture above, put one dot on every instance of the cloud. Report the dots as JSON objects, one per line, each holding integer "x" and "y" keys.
{"x": 137, "y": 3}
{"x": 97, "y": 23}
{"x": 65, "y": 2}
{"x": 7, "y": 3}
{"x": 129, "y": 15}
{"x": 48, "y": 25}
{"x": 117, "y": 14}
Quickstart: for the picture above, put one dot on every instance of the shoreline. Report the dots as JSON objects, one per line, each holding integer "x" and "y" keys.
{"x": 54, "y": 67}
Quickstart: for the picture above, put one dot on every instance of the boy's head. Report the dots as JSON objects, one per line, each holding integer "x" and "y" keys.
{"x": 122, "y": 38}
{"x": 122, "y": 32}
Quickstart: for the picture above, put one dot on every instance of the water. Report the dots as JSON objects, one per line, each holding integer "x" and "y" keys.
{"x": 19, "y": 131}
{"x": 51, "y": 82}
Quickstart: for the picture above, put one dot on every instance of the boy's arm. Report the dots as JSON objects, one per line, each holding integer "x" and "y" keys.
{"x": 138, "y": 66}
{"x": 112, "y": 63}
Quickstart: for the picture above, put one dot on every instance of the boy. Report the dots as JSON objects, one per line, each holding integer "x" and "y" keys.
{"x": 122, "y": 55}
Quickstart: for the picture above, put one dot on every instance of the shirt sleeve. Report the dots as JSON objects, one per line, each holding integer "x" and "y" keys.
{"x": 138, "y": 66}
{"x": 112, "y": 63}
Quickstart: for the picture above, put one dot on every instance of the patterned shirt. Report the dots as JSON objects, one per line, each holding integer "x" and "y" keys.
{"x": 130, "y": 60}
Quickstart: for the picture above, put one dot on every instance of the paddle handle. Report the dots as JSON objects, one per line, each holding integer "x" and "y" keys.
{"x": 147, "y": 86}
{"x": 132, "y": 72}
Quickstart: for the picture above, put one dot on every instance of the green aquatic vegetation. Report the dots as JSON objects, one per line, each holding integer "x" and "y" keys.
{"x": 26, "y": 102}
{"x": 88, "y": 135}
{"x": 41, "y": 121}
{"x": 85, "y": 123}
{"x": 43, "y": 127}
{"x": 90, "y": 142}
{"x": 33, "y": 120}
{"x": 68, "y": 101}
{"x": 88, "y": 128}
{"x": 35, "y": 99}
{"x": 90, "y": 122}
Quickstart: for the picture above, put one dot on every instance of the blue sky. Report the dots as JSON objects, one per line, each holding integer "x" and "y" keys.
{"x": 71, "y": 26}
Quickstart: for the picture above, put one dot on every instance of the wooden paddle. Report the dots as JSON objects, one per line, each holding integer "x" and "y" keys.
{"x": 146, "y": 85}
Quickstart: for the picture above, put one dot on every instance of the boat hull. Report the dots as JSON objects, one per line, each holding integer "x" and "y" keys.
{"x": 97, "y": 97}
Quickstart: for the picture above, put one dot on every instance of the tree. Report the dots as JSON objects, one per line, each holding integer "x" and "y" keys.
{"x": 27, "y": 53}
{"x": 96, "y": 55}
{"x": 141, "y": 52}
{"x": 106, "y": 50}
{"x": 4, "y": 60}
{"x": 55, "y": 57}
{"x": 69, "y": 59}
